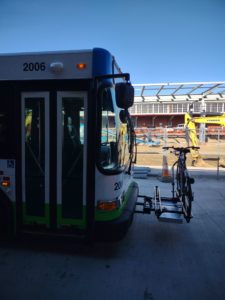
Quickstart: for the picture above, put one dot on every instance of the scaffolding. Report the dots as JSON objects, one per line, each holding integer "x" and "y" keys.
{"x": 179, "y": 98}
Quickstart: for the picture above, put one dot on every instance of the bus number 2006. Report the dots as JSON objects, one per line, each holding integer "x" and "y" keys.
{"x": 30, "y": 67}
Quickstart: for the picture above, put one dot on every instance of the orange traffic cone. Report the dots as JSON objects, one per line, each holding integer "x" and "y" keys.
{"x": 165, "y": 170}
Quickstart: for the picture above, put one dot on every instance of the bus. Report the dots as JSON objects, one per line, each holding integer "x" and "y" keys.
{"x": 66, "y": 144}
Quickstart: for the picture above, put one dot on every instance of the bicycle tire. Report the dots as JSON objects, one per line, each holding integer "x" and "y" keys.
{"x": 187, "y": 198}
{"x": 179, "y": 180}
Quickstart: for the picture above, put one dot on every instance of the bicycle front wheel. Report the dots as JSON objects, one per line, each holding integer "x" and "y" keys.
{"x": 187, "y": 198}
{"x": 179, "y": 180}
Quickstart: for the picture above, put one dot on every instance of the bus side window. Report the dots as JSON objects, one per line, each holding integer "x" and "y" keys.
{"x": 3, "y": 128}
{"x": 7, "y": 139}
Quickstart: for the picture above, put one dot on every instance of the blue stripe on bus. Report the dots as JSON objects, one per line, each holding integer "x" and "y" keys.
{"x": 102, "y": 62}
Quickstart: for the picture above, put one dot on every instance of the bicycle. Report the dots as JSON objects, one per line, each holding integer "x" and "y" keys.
{"x": 183, "y": 180}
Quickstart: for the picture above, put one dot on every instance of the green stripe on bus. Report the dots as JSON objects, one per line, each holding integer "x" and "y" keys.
{"x": 36, "y": 219}
{"x": 79, "y": 223}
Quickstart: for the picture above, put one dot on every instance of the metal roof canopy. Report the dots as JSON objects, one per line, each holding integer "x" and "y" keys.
{"x": 180, "y": 92}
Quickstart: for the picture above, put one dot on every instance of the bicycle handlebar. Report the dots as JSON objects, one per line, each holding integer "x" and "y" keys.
{"x": 182, "y": 149}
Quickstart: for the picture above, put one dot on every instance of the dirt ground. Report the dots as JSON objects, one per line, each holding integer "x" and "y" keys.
{"x": 153, "y": 156}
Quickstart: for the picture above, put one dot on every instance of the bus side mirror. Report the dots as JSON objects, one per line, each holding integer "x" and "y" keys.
{"x": 124, "y": 95}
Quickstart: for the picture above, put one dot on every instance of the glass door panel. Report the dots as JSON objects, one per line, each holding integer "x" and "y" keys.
{"x": 35, "y": 157}
{"x": 70, "y": 157}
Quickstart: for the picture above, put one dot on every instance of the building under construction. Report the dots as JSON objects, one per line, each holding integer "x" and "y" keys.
{"x": 163, "y": 105}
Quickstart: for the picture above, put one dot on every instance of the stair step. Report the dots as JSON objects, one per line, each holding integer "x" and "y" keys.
{"x": 141, "y": 172}
{"x": 171, "y": 217}
{"x": 140, "y": 175}
{"x": 141, "y": 169}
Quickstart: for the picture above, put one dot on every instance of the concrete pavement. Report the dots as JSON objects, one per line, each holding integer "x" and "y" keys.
{"x": 155, "y": 260}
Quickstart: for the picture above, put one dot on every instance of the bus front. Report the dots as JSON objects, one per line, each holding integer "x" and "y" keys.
{"x": 65, "y": 149}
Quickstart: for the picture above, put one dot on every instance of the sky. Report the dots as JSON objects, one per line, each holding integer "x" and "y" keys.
{"x": 154, "y": 40}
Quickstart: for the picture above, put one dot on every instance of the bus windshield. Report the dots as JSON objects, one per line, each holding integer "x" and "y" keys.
{"x": 114, "y": 152}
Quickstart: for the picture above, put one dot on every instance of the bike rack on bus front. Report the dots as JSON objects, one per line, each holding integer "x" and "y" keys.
{"x": 166, "y": 209}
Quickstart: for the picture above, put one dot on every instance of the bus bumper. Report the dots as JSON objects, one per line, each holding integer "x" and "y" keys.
{"x": 116, "y": 229}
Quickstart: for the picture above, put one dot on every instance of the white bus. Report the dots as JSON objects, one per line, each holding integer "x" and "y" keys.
{"x": 66, "y": 144}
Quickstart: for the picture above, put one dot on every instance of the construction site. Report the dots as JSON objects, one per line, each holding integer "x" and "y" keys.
{"x": 180, "y": 115}
{"x": 212, "y": 153}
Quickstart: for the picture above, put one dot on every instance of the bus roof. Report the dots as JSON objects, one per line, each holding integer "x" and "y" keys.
{"x": 77, "y": 64}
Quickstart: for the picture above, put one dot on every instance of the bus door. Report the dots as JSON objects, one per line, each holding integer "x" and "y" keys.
{"x": 71, "y": 162}
{"x": 35, "y": 157}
